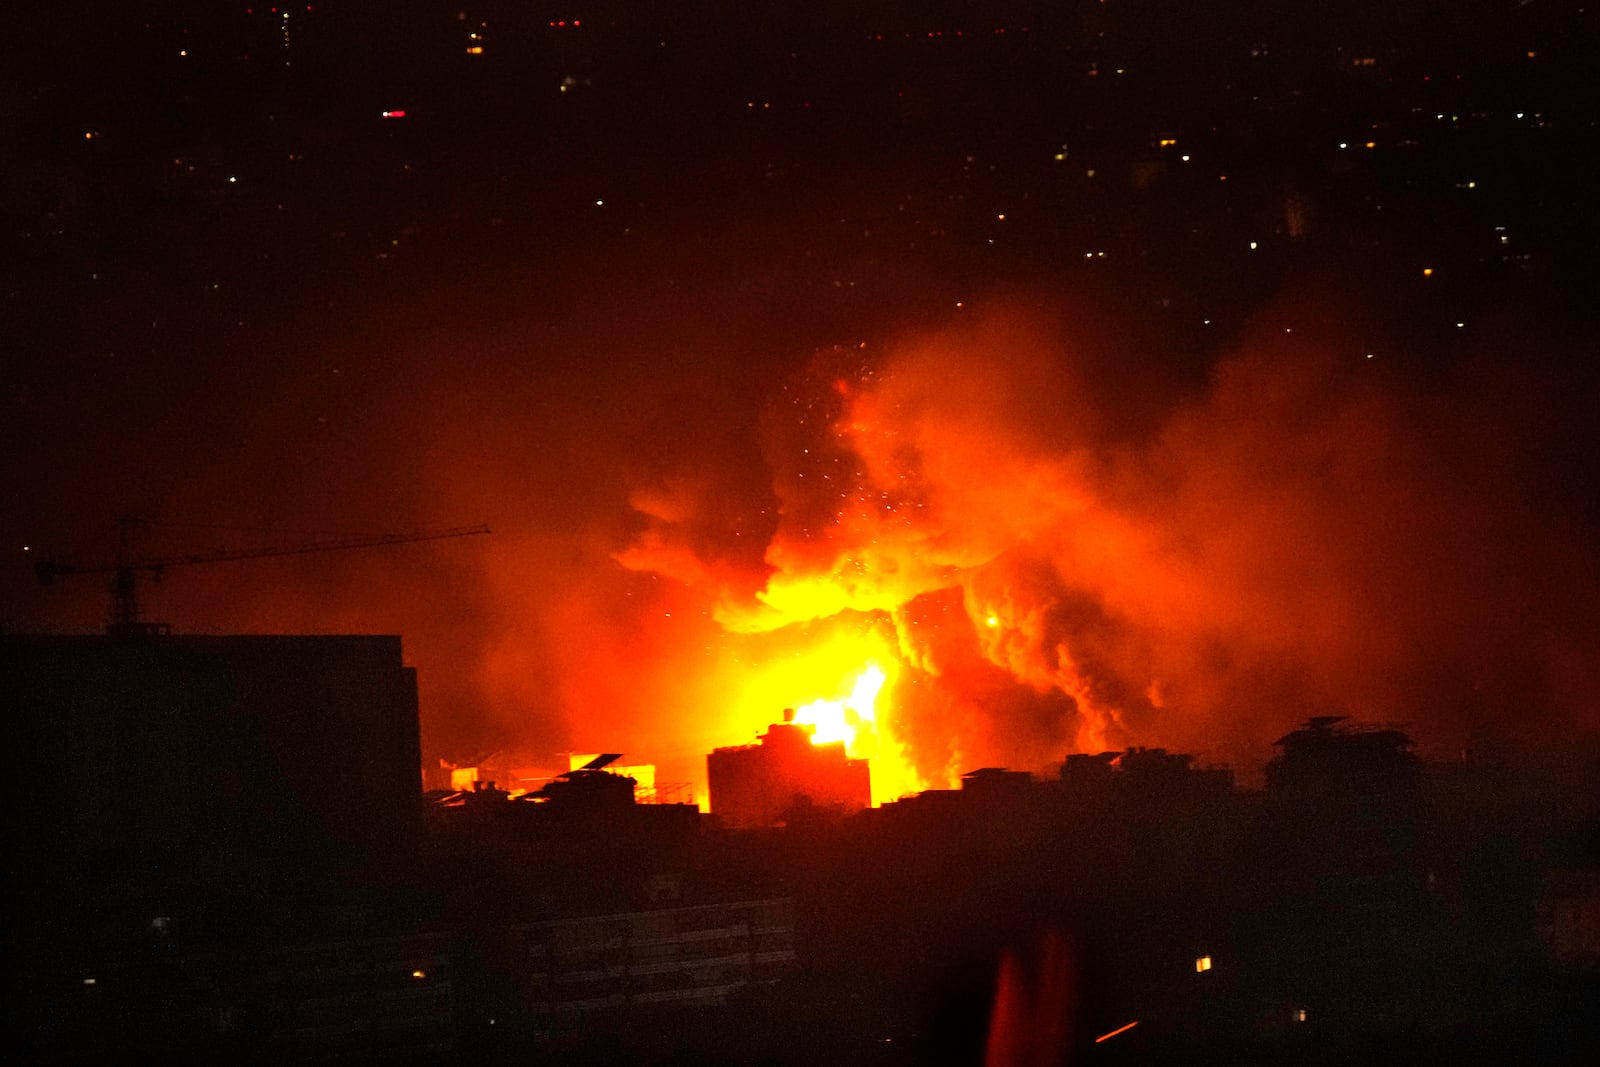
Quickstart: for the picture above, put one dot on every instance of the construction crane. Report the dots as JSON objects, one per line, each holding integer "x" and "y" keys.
{"x": 124, "y": 585}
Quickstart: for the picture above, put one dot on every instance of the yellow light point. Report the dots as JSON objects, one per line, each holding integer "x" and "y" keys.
{"x": 1427, "y": 272}
{"x": 419, "y": 974}
{"x": 992, "y": 620}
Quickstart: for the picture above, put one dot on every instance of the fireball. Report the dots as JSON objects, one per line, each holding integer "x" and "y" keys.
{"x": 838, "y": 676}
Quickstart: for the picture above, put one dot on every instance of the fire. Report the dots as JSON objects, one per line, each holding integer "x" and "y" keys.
{"x": 1043, "y": 557}
{"x": 839, "y": 675}
{"x": 842, "y": 720}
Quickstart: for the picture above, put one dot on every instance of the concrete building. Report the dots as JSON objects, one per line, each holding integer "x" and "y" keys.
{"x": 200, "y": 773}
{"x": 668, "y": 958}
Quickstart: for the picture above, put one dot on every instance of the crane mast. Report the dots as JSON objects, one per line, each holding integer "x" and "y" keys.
{"x": 125, "y": 614}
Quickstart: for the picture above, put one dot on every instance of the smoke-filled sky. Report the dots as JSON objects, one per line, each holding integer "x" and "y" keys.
{"x": 751, "y": 407}
{"x": 1304, "y": 533}
{"x": 1056, "y": 561}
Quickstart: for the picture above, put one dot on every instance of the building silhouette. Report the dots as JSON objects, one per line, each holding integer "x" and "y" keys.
{"x": 761, "y": 784}
{"x": 194, "y": 771}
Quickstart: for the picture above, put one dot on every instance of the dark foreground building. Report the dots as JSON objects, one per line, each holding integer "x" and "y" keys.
{"x": 761, "y": 784}
{"x": 193, "y": 769}
{"x": 192, "y": 812}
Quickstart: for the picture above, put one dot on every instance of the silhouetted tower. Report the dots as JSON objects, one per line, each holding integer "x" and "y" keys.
{"x": 755, "y": 785}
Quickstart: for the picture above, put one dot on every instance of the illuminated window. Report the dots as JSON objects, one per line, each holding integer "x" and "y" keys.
{"x": 1299, "y": 1015}
{"x": 1202, "y": 964}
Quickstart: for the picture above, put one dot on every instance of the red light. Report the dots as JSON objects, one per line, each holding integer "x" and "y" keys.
{"x": 394, "y": 114}
{"x": 1114, "y": 1033}
{"x": 577, "y": 22}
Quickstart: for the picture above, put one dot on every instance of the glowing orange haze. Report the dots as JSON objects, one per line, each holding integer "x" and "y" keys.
{"x": 968, "y": 567}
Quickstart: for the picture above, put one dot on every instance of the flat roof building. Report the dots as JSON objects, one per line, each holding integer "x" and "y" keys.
{"x": 198, "y": 770}
{"x": 761, "y": 784}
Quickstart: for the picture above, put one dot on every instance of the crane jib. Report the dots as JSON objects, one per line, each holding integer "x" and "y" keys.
{"x": 125, "y": 609}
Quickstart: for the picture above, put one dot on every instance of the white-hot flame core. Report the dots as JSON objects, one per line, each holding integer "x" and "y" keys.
{"x": 840, "y": 720}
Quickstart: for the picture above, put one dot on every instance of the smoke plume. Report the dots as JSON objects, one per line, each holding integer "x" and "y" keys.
{"x": 1308, "y": 533}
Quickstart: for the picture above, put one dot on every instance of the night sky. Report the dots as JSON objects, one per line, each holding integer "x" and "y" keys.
{"x": 1137, "y": 373}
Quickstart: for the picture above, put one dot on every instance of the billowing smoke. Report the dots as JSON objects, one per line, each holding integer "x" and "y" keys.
{"x": 1045, "y": 548}
{"x": 1307, "y": 534}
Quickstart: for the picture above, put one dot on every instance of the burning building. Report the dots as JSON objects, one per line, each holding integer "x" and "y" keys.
{"x": 761, "y": 784}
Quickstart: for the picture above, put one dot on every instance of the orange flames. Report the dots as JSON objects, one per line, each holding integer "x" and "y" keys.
{"x": 849, "y": 672}
{"x": 874, "y": 619}
{"x": 969, "y": 553}
{"x": 846, "y": 719}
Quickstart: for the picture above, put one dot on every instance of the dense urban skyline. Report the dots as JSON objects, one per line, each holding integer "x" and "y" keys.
{"x": 1117, "y": 376}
